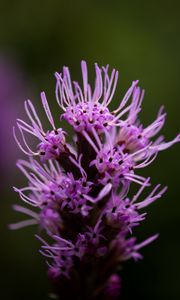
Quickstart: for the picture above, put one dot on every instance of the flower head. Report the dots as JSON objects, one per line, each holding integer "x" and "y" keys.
{"x": 80, "y": 190}
{"x": 51, "y": 142}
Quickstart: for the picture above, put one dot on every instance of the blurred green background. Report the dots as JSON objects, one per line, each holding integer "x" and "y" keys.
{"x": 142, "y": 40}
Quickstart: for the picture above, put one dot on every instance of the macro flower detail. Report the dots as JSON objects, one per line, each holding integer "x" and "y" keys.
{"x": 80, "y": 191}
{"x": 52, "y": 142}
{"x": 113, "y": 286}
{"x": 53, "y": 145}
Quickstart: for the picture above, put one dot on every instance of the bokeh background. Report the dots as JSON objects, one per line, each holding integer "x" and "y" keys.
{"x": 142, "y": 40}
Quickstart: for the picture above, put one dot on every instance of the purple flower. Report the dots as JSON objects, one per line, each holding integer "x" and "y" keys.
{"x": 80, "y": 190}
{"x": 113, "y": 286}
{"x": 52, "y": 142}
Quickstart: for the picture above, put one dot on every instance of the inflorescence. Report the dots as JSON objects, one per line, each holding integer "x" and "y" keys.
{"x": 80, "y": 190}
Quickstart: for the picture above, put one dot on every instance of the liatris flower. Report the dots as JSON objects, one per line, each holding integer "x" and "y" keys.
{"x": 80, "y": 190}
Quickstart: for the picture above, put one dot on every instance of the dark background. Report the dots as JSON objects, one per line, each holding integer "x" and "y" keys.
{"x": 142, "y": 40}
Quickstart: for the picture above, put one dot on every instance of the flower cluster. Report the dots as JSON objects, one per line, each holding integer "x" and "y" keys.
{"x": 80, "y": 190}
